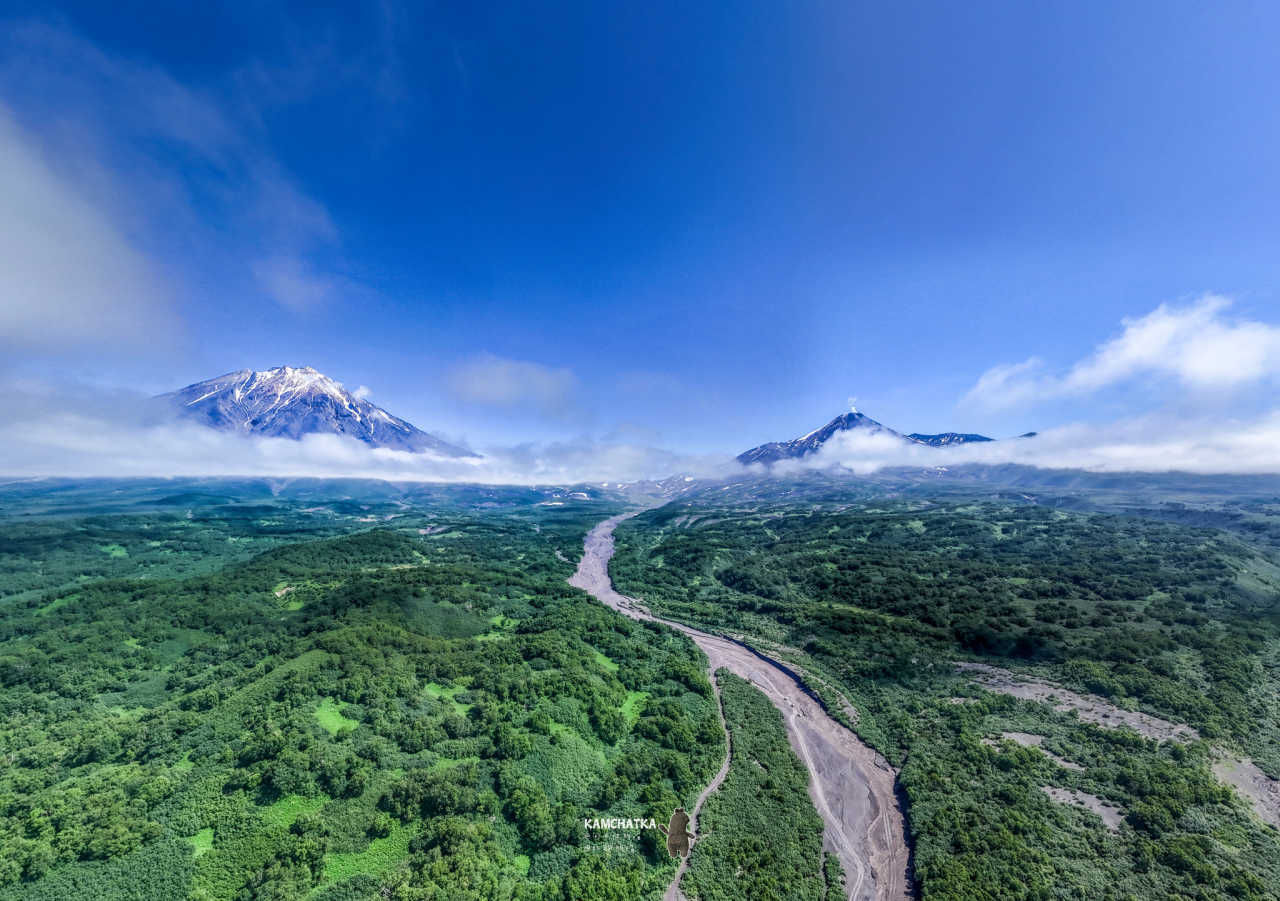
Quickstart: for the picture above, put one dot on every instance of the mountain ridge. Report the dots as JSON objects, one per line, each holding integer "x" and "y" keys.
{"x": 946, "y": 439}
{"x": 773, "y": 451}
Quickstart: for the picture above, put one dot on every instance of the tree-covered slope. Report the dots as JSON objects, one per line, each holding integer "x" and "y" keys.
{"x": 876, "y": 601}
{"x": 420, "y": 710}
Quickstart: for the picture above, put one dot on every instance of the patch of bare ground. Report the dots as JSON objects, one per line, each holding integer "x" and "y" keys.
{"x": 1087, "y": 707}
{"x": 1111, "y": 815}
{"x": 1028, "y": 740}
{"x": 1262, "y": 792}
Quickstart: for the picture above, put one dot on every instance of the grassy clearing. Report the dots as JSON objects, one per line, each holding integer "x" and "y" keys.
{"x": 445, "y": 763}
{"x": 605, "y": 661}
{"x": 283, "y": 812}
{"x": 381, "y": 855}
{"x": 330, "y": 717}
{"x": 58, "y": 603}
{"x": 631, "y": 706}
{"x": 202, "y": 841}
{"x": 503, "y": 627}
{"x": 436, "y": 690}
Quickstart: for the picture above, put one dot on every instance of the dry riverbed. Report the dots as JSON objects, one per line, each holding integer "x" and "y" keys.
{"x": 851, "y": 786}
{"x": 1088, "y": 708}
{"x": 1244, "y": 776}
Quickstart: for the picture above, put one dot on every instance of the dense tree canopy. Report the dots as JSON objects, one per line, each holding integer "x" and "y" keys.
{"x": 875, "y": 601}
{"x": 423, "y": 709}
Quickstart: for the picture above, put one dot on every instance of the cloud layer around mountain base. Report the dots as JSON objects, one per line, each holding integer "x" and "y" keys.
{"x": 79, "y": 431}
{"x": 1146, "y": 444}
{"x": 75, "y": 445}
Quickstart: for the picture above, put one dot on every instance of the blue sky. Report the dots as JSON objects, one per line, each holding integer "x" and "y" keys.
{"x": 698, "y": 226}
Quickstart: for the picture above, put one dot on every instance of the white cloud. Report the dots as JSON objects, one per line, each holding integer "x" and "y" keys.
{"x": 184, "y": 171}
{"x": 81, "y": 432}
{"x": 1151, "y": 443}
{"x": 1009, "y": 384}
{"x": 294, "y": 283}
{"x": 498, "y": 382}
{"x": 69, "y": 275}
{"x": 1197, "y": 346}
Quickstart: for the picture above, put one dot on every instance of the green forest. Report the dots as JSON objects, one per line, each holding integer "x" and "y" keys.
{"x": 344, "y": 692}
{"x": 759, "y": 834}
{"x": 250, "y": 701}
{"x": 878, "y": 599}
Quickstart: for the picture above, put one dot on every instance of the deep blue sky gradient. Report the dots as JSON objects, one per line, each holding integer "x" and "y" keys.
{"x": 727, "y": 218}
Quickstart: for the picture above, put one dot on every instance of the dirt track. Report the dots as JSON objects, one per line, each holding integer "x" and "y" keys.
{"x": 852, "y": 787}
{"x": 673, "y": 890}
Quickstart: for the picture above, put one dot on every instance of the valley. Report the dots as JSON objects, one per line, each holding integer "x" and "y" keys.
{"x": 234, "y": 690}
{"x": 1121, "y": 665}
{"x": 851, "y": 786}
{"x": 639, "y": 452}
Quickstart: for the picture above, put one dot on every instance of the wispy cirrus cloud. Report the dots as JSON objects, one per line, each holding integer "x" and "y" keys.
{"x": 70, "y": 275}
{"x": 1197, "y": 346}
{"x": 178, "y": 177}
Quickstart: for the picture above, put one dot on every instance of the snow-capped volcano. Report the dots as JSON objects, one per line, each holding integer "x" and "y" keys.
{"x": 289, "y": 402}
{"x": 810, "y": 443}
